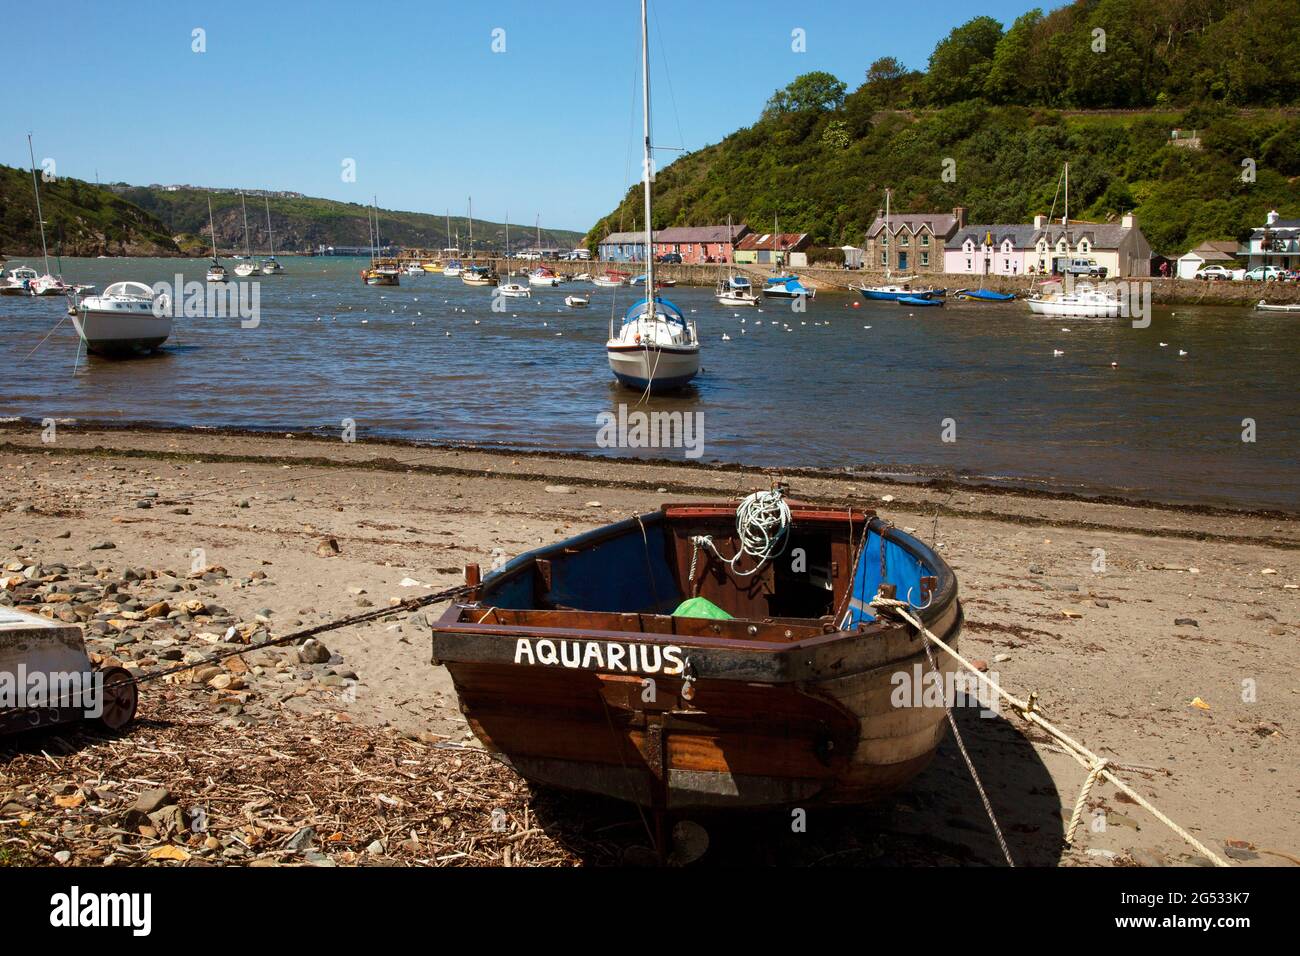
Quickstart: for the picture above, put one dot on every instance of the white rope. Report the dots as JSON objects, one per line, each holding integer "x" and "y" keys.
{"x": 762, "y": 523}
{"x": 1095, "y": 765}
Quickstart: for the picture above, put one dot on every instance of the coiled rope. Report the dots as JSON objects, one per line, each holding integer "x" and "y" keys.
{"x": 1096, "y": 766}
{"x": 762, "y": 523}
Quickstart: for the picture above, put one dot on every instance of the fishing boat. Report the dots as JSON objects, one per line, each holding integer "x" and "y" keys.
{"x": 127, "y": 318}
{"x": 453, "y": 268}
{"x": 577, "y": 301}
{"x": 543, "y": 277}
{"x": 271, "y": 265}
{"x": 17, "y": 280}
{"x": 663, "y": 661}
{"x": 216, "y": 271}
{"x": 984, "y": 295}
{"x": 479, "y": 275}
{"x": 381, "y": 272}
{"x": 414, "y": 269}
{"x": 1084, "y": 302}
{"x": 1263, "y": 306}
{"x": 248, "y": 266}
{"x": 656, "y": 348}
{"x": 432, "y": 267}
{"x": 787, "y": 287}
{"x": 921, "y": 301}
{"x": 610, "y": 280}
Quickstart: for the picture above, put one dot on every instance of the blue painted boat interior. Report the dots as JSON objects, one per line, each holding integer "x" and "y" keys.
{"x": 903, "y": 569}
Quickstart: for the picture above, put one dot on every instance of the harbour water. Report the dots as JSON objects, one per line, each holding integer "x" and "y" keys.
{"x": 845, "y": 384}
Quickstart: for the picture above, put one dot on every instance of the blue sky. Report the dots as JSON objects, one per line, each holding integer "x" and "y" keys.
{"x": 414, "y": 93}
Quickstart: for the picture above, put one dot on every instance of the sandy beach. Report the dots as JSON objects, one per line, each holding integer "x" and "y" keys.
{"x": 1163, "y": 637}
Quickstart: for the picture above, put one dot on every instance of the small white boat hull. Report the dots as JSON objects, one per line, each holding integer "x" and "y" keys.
{"x": 576, "y": 301}
{"x": 120, "y": 332}
{"x": 245, "y": 269}
{"x": 1263, "y": 306}
{"x": 514, "y": 290}
{"x": 737, "y": 298}
{"x": 654, "y": 367}
{"x": 1076, "y": 308}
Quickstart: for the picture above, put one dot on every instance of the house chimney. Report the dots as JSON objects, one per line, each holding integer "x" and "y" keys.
{"x": 959, "y": 214}
{"x": 1128, "y": 221}
{"x": 880, "y": 214}
{"x": 1040, "y": 222}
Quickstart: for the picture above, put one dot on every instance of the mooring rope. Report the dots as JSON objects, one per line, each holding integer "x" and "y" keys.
{"x": 762, "y": 521}
{"x": 1097, "y": 767}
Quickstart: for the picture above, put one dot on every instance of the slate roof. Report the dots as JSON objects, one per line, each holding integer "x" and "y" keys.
{"x": 940, "y": 223}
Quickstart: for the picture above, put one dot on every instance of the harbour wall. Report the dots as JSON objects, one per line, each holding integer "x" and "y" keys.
{"x": 833, "y": 279}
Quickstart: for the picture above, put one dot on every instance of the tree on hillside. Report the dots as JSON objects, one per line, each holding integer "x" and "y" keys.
{"x": 1009, "y": 79}
{"x": 817, "y": 90}
{"x": 960, "y": 64}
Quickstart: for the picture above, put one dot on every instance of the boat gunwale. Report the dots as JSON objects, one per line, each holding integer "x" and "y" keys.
{"x": 725, "y": 658}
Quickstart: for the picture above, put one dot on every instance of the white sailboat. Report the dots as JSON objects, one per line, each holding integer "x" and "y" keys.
{"x": 272, "y": 265}
{"x": 47, "y": 284}
{"x": 735, "y": 289}
{"x": 656, "y": 348}
{"x": 250, "y": 265}
{"x": 216, "y": 271}
{"x": 512, "y": 290}
{"x": 1083, "y": 301}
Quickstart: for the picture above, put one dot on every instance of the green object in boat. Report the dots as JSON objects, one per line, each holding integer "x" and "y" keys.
{"x": 701, "y": 607}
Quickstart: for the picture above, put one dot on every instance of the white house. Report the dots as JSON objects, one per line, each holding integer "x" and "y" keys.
{"x": 1276, "y": 243}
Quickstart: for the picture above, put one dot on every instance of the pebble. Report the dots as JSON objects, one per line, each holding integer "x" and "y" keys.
{"x": 103, "y": 546}
{"x": 559, "y": 489}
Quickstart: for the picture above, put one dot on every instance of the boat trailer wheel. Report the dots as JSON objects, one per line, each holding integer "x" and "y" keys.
{"x": 120, "y": 697}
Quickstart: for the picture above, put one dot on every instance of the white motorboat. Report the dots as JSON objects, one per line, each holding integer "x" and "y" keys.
{"x": 127, "y": 318}
{"x": 577, "y": 301}
{"x": 514, "y": 290}
{"x": 582, "y": 277}
{"x": 452, "y": 268}
{"x": 1263, "y": 306}
{"x": 543, "y": 277}
{"x": 610, "y": 280}
{"x": 17, "y": 280}
{"x": 735, "y": 290}
{"x": 50, "y": 285}
{"x": 414, "y": 269}
{"x": 656, "y": 348}
{"x": 1084, "y": 302}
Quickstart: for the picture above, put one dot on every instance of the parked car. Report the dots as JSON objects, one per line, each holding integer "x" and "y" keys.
{"x": 1085, "y": 267}
{"x": 670, "y": 257}
{"x": 1214, "y": 273}
{"x": 1263, "y": 274}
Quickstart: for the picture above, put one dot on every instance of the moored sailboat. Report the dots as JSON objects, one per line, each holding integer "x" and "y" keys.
{"x": 655, "y": 348}
{"x": 250, "y": 265}
{"x": 127, "y": 318}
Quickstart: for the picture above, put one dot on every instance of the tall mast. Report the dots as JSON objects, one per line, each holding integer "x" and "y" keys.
{"x": 469, "y": 212}
{"x": 449, "y": 229}
{"x": 248, "y": 247}
{"x": 370, "y": 234}
{"x": 40, "y": 221}
{"x": 269, "y": 233}
{"x": 646, "y": 162}
{"x": 213, "y": 223}
{"x": 888, "y": 238}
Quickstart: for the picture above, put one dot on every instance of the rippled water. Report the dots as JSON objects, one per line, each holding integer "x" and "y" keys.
{"x": 827, "y": 393}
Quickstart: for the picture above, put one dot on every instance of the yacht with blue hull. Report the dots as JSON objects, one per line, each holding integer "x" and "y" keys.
{"x": 787, "y": 287}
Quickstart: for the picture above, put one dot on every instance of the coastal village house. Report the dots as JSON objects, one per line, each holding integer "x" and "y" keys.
{"x": 700, "y": 243}
{"x": 914, "y": 242}
{"x": 622, "y": 247}
{"x": 1044, "y": 247}
{"x": 692, "y": 243}
{"x": 774, "y": 249}
{"x": 1207, "y": 254}
{"x": 1276, "y": 243}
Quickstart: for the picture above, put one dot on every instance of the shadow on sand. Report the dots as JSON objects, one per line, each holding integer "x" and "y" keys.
{"x": 937, "y": 820}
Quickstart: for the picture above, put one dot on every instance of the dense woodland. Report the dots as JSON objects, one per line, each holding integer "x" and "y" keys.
{"x": 1099, "y": 83}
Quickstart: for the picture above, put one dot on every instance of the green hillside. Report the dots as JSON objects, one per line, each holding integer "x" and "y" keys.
{"x": 1009, "y": 108}
{"x": 81, "y": 219}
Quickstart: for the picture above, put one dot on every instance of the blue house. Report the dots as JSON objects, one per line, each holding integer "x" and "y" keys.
{"x": 623, "y": 247}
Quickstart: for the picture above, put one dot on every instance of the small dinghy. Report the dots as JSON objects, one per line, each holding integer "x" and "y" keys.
{"x": 685, "y": 659}
{"x": 576, "y": 301}
{"x": 1262, "y": 306}
{"x": 918, "y": 300}
{"x": 984, "y": 295}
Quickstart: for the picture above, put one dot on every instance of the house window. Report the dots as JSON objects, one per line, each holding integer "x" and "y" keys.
{"x": 925, "y": 239}
{"x": 1006, "y": 265}
{"x": 968, "y": 265}
{"x": 884, "y": 258}
{"x": 925, "y": 258}
{"x": 902, "y": 241}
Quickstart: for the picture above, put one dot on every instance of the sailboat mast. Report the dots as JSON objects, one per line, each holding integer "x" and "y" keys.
{"x": 40, "y": 220}
{"x": 269, "y": 234}
{"x": 889, "y": 240}
{"x": 646, "y": 162}
{"x": 213, "y": 223}
{"x": 248, "y": 246}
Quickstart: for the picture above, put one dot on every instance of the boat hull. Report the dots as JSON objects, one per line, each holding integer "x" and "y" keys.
{"x": 1074, "y": 310}
{"x": 678, "y": 713}
{"x": 654, "y": 368}
{"x": 118, "y": 334}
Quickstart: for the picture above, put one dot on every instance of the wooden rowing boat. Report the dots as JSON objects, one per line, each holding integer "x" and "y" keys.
{"x": 570, "y": 663}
